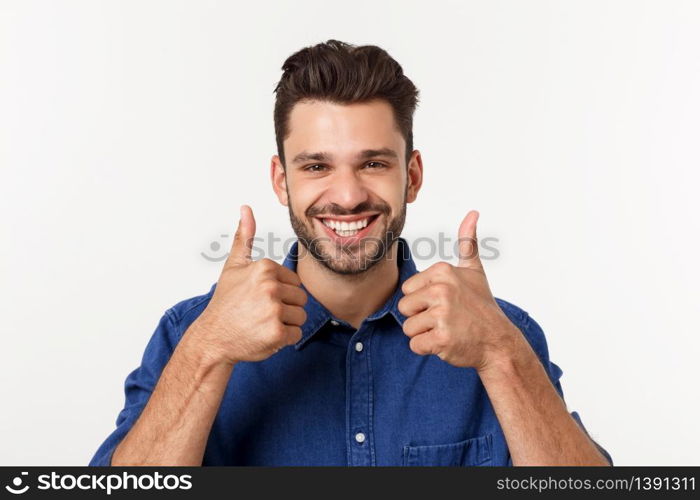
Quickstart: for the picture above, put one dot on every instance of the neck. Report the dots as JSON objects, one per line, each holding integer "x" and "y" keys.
{"x": 350, "y": 297}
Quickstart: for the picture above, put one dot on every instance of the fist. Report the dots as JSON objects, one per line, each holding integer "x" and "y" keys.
{"x": 451, "y": 311}
{"x": 257, "y": 307}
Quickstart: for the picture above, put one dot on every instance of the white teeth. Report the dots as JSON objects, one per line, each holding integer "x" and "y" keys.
{"x": 347, "y": 233}
{"x": 346, "y": 228}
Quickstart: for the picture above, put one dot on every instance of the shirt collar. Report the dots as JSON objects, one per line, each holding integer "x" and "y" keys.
{"x": 316, "y": 313}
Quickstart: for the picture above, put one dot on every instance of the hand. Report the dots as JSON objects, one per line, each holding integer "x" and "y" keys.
{"x": 451, "y": 311}
{"x": 257, "y": 306}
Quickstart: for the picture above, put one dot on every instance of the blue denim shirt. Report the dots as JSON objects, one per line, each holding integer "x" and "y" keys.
{"x": 341, "y": 396}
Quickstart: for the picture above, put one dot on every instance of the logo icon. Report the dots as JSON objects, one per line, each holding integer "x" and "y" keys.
{"x": 17, "y": 482}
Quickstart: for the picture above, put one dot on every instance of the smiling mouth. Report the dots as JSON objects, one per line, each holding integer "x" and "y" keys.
{"x": 348, "y": 228}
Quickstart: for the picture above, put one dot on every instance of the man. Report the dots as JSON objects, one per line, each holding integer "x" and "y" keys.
{"x": 345, "y": 354}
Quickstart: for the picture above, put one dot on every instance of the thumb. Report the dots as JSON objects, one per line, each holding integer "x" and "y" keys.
{"x": 243, "y": 239}
{"x": 468, "y": 244}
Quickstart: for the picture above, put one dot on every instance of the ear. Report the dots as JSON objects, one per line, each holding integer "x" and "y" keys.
{"x": 414, "y": 173}
{"x": 279, "y": 180}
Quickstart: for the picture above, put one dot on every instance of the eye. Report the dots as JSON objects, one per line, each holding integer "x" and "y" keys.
{"x": 378, "y": 165}
{"x": 310, "y": 168}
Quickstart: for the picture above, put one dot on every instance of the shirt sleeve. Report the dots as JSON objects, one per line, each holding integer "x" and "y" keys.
{"x": 537, "y": 339}
{"x": 139, "y": 386}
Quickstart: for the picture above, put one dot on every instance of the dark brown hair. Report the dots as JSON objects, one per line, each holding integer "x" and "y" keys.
{"x": 343, "y": 73}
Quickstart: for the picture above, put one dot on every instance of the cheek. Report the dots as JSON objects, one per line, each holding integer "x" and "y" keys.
{"x": 301, "y": 197}
{"x": 390, "y": 190}
{"x": 394, "y": 200}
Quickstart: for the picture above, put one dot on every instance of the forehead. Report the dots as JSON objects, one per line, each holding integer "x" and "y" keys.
{"x": 342, "y": 128}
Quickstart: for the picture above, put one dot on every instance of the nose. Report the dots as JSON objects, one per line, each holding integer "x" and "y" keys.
{"x": 347, "y": 189}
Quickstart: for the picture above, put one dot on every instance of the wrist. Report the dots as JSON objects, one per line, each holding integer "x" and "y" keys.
{"x": 502, "y": 355}
{"x": 201, "y": 347}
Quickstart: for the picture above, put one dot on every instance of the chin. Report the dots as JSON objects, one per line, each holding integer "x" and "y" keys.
{"x": 355, "y": 259}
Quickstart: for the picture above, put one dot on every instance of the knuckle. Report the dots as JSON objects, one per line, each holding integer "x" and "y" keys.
{"x": 276, "y": 310}
{"x": 266, "y": 265}
{"x": 267, "y": 262}
{"x": 269, "y": 288}
{"x": 295, "y": 334}
{"x": 441, "y": 338}
{"x": 439, "y": 312}
{"x": 443, "y": 267}
{"x": 441, "y": 290}
{"x": 279, "y": 333}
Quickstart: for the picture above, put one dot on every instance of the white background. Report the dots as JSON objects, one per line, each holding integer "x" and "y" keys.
{"x": 131, "y": 132}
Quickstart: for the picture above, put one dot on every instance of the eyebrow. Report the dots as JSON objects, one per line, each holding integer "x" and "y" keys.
{"x": 362, "y": 155}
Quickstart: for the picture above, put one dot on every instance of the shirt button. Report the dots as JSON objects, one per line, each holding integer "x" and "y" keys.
{"x": 334, "y": 322}
{"x": 359, "y": 346}
{"x": 360, "y": 437}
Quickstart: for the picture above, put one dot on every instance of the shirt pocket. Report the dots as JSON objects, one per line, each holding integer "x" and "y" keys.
{"x": 474, "y": 451}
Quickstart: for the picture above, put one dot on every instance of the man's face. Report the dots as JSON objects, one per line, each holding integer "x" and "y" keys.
{"x": 346, "y": 183}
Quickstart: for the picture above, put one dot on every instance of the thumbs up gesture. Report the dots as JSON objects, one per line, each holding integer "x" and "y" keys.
{"x": 450, "y": 309}
{"x": 257, "y": 306}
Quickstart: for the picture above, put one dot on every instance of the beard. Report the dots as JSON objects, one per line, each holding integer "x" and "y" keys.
{"x": 349, "y": 259}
